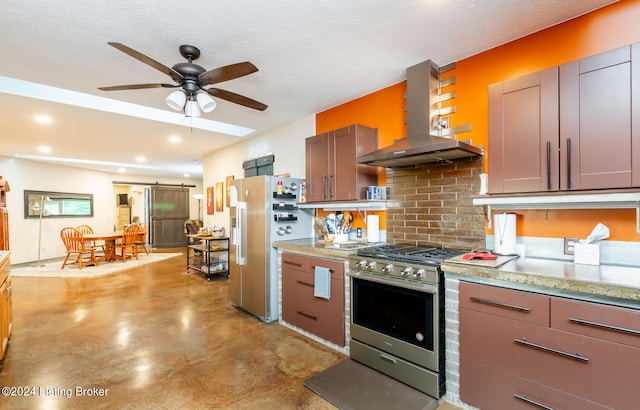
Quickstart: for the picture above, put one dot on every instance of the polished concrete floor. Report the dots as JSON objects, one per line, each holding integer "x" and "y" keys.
{"x": 153, "y": 337}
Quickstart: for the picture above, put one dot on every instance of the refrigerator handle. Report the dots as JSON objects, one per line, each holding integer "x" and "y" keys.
{"x": 241, "y": 219}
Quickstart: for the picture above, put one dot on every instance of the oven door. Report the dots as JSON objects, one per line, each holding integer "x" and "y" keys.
{"x": 399, "y": 317}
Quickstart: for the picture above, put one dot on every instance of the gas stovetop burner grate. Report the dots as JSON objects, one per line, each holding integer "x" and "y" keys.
{"x": 408, "y": 254}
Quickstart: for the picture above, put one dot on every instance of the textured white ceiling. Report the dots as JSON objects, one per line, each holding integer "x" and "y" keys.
{"x": 312, "y": 55}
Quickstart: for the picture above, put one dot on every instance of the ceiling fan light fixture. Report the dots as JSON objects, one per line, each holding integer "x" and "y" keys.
{"x": 191, "y": 109}
{"x": 176, "y": 100}
{"x": 206, "y": 103}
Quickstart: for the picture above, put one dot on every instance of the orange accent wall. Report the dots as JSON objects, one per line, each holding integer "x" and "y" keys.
{"x": 605, "y": 29}
{"x": 384, "y": 110}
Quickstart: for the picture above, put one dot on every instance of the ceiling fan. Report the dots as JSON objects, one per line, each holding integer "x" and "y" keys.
{"x": 192, "y": 78}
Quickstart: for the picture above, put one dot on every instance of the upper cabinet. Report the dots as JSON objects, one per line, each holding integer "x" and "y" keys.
{"x": 523, "y": 133}
{"x": 332, "y": 173}
{"x": 599, "y": 144}
{"x": 568, "y": 127}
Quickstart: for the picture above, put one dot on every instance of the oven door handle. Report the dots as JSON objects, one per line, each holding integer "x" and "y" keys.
{"x": 422, "y": 287}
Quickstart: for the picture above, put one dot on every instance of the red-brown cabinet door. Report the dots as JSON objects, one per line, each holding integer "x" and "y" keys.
{"x": 596, "y": 130}
{"x": 523, "y": 133}
{"x": 317, "y": 167}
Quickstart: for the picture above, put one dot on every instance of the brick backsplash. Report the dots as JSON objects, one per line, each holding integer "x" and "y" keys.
{"x": 432, "y": 205}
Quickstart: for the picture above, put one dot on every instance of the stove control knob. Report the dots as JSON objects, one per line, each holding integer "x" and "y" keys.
{"x": 406, "y": 271}
{"x": 361, "y": 264}
{"x": 371, "y": 265}
{"x": 419, "y": 274}
{"x": 388, "y": 268}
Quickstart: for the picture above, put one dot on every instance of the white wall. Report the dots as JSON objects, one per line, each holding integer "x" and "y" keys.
{"x": 286, "y": 144}
{"x": 39, "y": 176}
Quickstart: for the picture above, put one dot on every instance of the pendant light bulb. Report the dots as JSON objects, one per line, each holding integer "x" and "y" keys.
{"x": 206, "y": 103}
{"x": 176, "y": 100}
{"x": 191, "y": 109}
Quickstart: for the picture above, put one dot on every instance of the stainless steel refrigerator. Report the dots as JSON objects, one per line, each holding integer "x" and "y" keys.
{"x": 262, "y": 210}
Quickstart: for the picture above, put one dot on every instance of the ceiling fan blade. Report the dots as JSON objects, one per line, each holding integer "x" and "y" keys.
{"x": 228, "y": 72}
{"x": 137, "y": 87}
{"x": 147, "y": 60}
{"x": 237, "y": 98}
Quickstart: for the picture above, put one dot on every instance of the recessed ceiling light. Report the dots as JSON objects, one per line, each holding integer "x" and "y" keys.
{"x": 43, "y": 119}
{"x": 186, "y": 175}
{"x": 140, "y": 158}
{"x": 44, "y": 149}
{"x": 122, "y": 170}
{"x": 174, "y": 139}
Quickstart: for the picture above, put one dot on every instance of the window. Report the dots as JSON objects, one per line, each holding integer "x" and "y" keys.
{"x": 58, "y": 205}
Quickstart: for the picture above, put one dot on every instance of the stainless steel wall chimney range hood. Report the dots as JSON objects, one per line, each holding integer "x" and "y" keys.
{"x": 423, "y": 144}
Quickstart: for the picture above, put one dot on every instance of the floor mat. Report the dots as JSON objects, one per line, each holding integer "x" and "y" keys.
{"x": 351, "y": 385}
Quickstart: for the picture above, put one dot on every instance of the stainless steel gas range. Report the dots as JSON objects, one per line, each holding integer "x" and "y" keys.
{"x": 397, "y": 313}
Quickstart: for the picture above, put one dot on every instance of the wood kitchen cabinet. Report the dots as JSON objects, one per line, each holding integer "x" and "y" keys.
{"x": 523, "y": 134}
{"x": 322, "y": 317}
{"x": 567, "y": 128}
{"x": 525, "y": 350}
{"x": 332, "y": 173}
{"x": 599, "y": 120}
{"x": 6, "y": 315}
{"x": 4, "y": 228}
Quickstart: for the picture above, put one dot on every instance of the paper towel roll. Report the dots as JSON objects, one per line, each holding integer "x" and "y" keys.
{"x": 373, "y": 228}
{"x": 504, "y": 233}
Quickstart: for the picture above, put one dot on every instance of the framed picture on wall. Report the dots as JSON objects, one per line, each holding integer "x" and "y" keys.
{"x": 228, "y": 195}
{"x": 210, "y": 200}
{"x": 219, "y": 196}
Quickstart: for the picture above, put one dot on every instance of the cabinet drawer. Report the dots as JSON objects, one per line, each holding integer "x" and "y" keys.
{"x": 611, "y": 323}
{"x": 590, "y": 368}
{"x": 488, "y": 388}
{"x": 324, "y": 318}
{"x": 512, "y": 304}
{"x": 337, "y": 267}
{"x": 294, "y": 261}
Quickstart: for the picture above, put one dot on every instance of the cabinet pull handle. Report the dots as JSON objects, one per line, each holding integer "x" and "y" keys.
{"x": 535, "y": 403}
{"x": 9, "y": 292}
{"x": 304, "y": 283}
{"x": 575, "y": 356}
{"x": 330, "y": 183}
{"x": 313, "y": 267}
{"x": 300, "y": 312}
{"x": 549, "y": 165}
{"x": 292, "y": 263}
{"x": 568, "y": 163}
{"x": 324, "y": 186}
{"x": 388, "y": 358}
{"x": 499, "y": 304}
{"x": 604, "y": 326}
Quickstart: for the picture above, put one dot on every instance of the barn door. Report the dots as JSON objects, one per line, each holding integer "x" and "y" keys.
{"x": 168, "y": 210}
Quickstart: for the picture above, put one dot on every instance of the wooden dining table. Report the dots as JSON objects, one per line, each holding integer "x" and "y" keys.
{"x": 109, "y": 242}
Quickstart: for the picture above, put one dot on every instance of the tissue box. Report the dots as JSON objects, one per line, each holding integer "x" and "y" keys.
{"x": 586, "y": 253}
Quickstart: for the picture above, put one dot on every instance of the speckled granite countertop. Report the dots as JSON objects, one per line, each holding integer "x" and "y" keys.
{"x": 313, "y": 247}
{"x": 618, "y": 282}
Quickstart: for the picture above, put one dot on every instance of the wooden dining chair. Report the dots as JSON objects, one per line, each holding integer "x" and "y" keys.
{"x": 141, "y": 240}
{"x": 87, "y": 230}
{"x": 76, "y": 245}
{"x": 127, "y": 244}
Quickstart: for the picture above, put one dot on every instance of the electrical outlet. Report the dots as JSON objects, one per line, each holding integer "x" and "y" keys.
{"x": 569, "y": 245}
{"x": 359, "y": 232}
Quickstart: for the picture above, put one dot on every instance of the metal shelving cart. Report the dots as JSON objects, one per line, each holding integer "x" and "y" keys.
{"x": 208, "y": 255}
